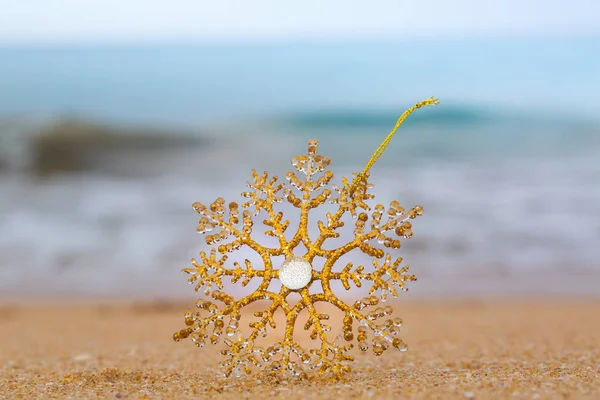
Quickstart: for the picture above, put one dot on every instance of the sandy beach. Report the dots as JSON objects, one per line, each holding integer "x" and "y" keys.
{"x": 529, "y": 348}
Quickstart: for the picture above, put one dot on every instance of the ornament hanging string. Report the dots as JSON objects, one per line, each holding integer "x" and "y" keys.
{"x": 361, "y": 176}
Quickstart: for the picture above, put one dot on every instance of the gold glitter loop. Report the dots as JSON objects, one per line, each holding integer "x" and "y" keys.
{"x": 362, "y": 175}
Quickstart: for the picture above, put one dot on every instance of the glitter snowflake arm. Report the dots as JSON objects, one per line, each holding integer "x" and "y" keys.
{"x": 210, "y": 272}
{"x": 383, "y": 334}
{"x": 266, "y": 317}
{"x": 263, "y": 197}
{"x": 264, "y": 192}
{"x": 332, "y": 357}
{"x": 198, "y": 323}
{"x": 242, "y": 352}
{"x": 213, "y": 217}
{"x": 309, "y": 165}
{"x": 385, "y": 277}
{"x": 396, "y": 222}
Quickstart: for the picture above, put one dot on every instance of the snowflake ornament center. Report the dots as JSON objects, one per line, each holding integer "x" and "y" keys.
{"x": 295, "y": 273}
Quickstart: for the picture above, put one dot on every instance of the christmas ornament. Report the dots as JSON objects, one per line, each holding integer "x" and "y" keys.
{"x": 218, "y": 320}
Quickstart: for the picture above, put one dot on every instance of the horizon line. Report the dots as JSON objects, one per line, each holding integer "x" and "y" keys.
{"x": 259, "y": 40}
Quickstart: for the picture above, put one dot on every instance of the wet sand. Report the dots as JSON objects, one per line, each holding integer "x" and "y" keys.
{"x": 457, "y": 349}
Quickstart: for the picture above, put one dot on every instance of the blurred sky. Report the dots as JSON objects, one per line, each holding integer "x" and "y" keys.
{"x": 68, "y": 21}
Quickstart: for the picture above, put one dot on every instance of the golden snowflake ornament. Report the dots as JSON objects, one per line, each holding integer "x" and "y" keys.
{"x": 364, "y": 321}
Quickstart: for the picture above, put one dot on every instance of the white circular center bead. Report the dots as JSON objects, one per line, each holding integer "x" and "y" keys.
{"x": 295, "y": 273}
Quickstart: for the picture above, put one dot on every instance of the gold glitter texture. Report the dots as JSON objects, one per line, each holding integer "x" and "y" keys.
{"x": 364, "y": 321}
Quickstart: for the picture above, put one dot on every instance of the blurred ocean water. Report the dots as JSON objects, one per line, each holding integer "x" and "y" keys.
{"x": 507, "y": 168}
